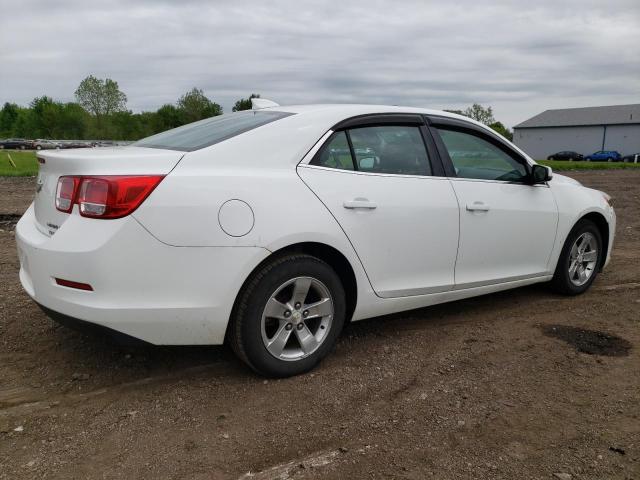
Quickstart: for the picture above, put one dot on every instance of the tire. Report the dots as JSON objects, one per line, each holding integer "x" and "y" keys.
{"x": 571, "y": 159}
{"x": 251, "y": 330}
{"x": 562, "y": 281}
{"x": 609, "y": 159}
{"x": 38, "y": 147}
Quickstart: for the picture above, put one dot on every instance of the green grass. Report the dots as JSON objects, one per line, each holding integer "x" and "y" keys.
{"x": 26, "y": 164}
{"x": 559, "y": 166}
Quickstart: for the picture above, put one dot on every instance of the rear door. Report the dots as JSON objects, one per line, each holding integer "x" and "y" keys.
{"x": 378, "y": 180}
{"x": 507, "y": 226}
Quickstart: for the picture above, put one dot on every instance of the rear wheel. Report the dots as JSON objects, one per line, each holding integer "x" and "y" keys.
{"x": 288, "y": 316}
{"x": 580, "y": 259}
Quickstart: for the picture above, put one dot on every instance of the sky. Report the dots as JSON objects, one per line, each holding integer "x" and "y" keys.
{"x": 519, "y": 57}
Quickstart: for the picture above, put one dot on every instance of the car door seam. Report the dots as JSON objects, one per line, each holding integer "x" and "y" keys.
{"x": 342, "y": 229}
{"x": 455, "y": 263}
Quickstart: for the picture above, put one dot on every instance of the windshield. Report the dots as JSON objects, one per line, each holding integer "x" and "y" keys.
{"x": 210, "y": 131}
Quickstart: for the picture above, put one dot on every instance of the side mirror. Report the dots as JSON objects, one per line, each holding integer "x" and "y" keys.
{"x": 541, "y": 174}
{"x": 366, "y": 163}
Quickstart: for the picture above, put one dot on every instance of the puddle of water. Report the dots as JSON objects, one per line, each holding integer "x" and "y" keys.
{"x": 591, "y": 342}
{"x": 8, "y": 221}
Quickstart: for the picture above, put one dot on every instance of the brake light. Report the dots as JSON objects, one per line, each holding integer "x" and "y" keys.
{"x": 111, "y": 196}
{"x": 66, "y": 193}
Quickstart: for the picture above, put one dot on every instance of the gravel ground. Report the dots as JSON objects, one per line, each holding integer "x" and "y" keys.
{"x": 493, "y": 387}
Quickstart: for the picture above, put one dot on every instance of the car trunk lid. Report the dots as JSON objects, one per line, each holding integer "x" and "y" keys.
{"x": 98, "y": 161}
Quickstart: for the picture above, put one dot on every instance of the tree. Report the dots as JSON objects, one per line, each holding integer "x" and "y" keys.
{"x": 168, "y": 116}
{"x": 245, "y": 103}
{"x": 72, "y": 122}
{"x": 43, "y": 116}
{"x": 101, "y": 98}
{"x": 480, "y": 114}
{"x": 502, "y": 130}
{"x": 8, "y": 118}
{"x": 194, "y": 105}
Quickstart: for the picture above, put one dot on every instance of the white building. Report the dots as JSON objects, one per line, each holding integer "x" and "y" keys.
{"x": 583, "y": 130}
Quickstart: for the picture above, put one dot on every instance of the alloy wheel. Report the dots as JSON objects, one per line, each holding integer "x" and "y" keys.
{"x": 297, "y": 318}
{"x": 583, "y": 259}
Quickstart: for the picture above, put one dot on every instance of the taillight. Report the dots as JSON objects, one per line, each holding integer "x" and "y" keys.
{"x": 66, "y": 193}
{"x": 112, "y": 196}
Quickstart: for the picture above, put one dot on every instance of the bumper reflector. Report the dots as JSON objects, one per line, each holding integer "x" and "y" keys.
{"x": 72, "y": 284}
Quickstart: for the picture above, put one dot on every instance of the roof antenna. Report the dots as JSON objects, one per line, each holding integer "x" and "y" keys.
{"x": 260, "y": 103}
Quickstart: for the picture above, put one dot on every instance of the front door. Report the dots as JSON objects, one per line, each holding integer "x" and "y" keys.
{"x": 507, "y": 226}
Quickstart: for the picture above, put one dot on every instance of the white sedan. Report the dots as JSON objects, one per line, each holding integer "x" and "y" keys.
{"x": 271, "y": 228}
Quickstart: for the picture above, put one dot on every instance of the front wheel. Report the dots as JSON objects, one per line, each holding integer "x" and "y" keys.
{"x": 288, "y": 316}
{"x": 580, "y": 259}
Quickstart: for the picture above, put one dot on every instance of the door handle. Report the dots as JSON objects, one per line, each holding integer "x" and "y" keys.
{"x": 359, "y": 203}
{"x": 478, "y": 207}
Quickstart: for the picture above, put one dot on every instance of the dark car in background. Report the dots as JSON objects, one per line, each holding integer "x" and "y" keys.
{"x": 631, "y": 158}
{"x": 604, "y": 156}
{"x": 566, "y": 155}
{"x": 16, "y": 144}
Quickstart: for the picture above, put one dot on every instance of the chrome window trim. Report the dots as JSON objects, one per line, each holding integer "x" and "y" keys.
{"x": 360, "y": 172}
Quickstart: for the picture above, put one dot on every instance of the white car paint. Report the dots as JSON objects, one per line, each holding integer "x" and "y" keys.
{"x": 170, "y": 272}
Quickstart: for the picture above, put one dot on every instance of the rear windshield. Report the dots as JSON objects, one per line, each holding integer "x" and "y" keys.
{"x": 210, "y": 131}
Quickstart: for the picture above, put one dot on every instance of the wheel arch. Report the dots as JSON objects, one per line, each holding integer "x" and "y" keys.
{"x": 328, "y": 254}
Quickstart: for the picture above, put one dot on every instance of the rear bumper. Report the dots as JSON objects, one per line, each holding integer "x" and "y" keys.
{"x": 91, "y": 328}
{"x": 142, "y": 288}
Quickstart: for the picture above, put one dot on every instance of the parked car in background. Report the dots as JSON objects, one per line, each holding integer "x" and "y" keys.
{"x": 631, "y": 158}
{"x": 566, "y": 155}
{"x": 16, "y": 144}
{"x": 308, "y": 215}
{"x": 40, "y": 144}
{"x": 604, "y": 156}
{"x": 75, "y": 144}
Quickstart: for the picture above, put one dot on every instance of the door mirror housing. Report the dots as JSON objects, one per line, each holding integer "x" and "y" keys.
{"x": 366, "y": 163}
{"x": 540, "y": 174}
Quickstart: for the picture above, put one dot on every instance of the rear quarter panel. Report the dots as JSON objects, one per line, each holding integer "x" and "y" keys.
{"x": 258, "y": 168}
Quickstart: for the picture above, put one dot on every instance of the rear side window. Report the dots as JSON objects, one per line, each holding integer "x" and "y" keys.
{"x": 391, "y": 149}
{"x": 210, "y": 131}
{"x": 335, "y": 153}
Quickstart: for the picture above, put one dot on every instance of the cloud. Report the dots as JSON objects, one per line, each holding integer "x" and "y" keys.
{"x": 520, "y": 57}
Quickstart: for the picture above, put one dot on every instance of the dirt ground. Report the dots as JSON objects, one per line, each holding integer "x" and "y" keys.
{"x": 482, "y": 388}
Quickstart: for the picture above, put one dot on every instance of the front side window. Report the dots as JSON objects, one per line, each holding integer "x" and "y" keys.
{"x": 475, "y": 157}
{"x": 391, "y": 149}
{"x": 210, "y": 131}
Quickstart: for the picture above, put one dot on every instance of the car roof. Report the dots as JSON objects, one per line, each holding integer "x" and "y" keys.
{"x": 308, "y": 124}
{"x": 346, "y": 110}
